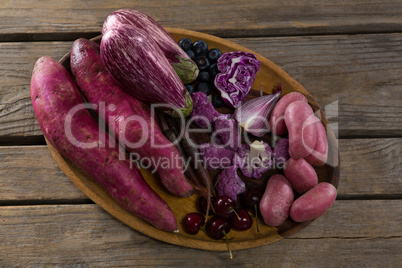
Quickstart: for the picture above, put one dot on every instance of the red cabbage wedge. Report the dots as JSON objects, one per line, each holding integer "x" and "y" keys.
{"x": 137, "y": 62}
{"x": 180, "y": 61}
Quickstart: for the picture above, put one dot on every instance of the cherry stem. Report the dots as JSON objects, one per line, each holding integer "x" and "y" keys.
{"x": 234, "y": 211}
{"x": 227, "y": 242}
{"x": 203, "y": 229}
{"x": 256, "y": 218}
{"x": 216, "y": 182}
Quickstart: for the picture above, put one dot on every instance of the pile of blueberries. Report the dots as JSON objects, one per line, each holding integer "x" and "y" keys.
{"x": 206, "y": 61}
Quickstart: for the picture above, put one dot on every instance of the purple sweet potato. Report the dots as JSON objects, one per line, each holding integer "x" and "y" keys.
{"x": 314, "y": 203}
{"x": 130, "y": 120}
{"x": 301, "y": 124}
{"x": 276, "y": 200}
{"x": 301, "y": 175}
{"x": 69, "y": 127}
{"x": 319, "y": 155}
{"x": 277, "y": 117}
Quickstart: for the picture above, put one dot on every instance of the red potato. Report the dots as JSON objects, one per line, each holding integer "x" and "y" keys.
{"x": 314, "y": 203}
{"x": 98, "y": 86}
{"x": 301, "y": 175}
{"x": 301, "y": 124}
{"x": 277, "y": 117}
{"x": 319, "y": 155}
{"x": 276, "y": 200}
{"x": 69, "y": 127}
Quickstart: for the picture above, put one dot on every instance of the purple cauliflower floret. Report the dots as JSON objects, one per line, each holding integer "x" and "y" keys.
{"x": 238, "y": 72}
{"x": 203, "y": 113}
{"x": 229, "y": 183}
{"x": 226, "y": 132}
{"x": 215, "y": 156}
{"x": 281, "y": 152}
{"x": 254, "y": 159}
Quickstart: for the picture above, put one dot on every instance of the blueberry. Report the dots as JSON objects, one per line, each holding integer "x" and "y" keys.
{"x": 204, "y": 76}
{"x": 217, "y": 101}
{"x": 191, "y": 54}
{"x": 190, "y": 89}
{"x": 213, "y": 55}
{"x": 202, "y": 63}
{"x": 185, "y": 44}
{"x": 213, "y": 70}
{"x": 200, "y": 48}
{"x": 204, "y": 87}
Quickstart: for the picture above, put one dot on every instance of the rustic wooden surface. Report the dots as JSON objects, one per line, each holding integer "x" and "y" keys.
{"x": 347, "y": 54}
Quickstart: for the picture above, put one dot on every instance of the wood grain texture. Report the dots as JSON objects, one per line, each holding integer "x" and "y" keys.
{"x": 50, "y": 20}
{"x": 24, "y": 177}
{"x": 354, "y": 78}
{"x": 17, "y": 60}
{"x": 351, "y": 233}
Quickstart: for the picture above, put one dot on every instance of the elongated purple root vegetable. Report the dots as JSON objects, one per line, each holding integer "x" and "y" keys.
{"x": 314, "y": 203}
{"x": 69, "y": 127}
{"x": 137, "y": 62}
{"x": 276, "y": 200}
{"x": 300, "y": 174}
{"x": 99, "y": 87}
{"x": 180, "y": 61}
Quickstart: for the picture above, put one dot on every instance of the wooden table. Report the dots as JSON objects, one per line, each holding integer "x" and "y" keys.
{"x": 347, "y": 54}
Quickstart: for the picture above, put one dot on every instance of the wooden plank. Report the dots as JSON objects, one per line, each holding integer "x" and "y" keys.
{"x": 369, "y": 167}
{"x": 354, "y": 78}
{"x": 17, "y": 60}
{"x": 350, "y": 232}
{"x": 30, "y": 173}
{"x": 50, "y": 20}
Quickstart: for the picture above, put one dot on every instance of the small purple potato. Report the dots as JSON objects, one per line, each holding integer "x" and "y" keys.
{"x": 276, "y": 200}
{"x": 313, "y": 203}
{"x": 301, "y": 124}
{"x": 277, "y": 117}
{"x": 301, "y": 175}
{"x": 319, "y": 155}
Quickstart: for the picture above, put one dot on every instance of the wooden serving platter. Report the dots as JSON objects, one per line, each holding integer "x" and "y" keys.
{"x": 269, "y": 76}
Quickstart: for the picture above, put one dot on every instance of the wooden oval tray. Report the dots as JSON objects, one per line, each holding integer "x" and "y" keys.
{"x": 269, "y": 76}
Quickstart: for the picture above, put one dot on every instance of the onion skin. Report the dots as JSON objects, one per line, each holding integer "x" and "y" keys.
{"x": 135, "y": 60}
{"x": 253, "y": 115}
{"x": 186, "y": 69}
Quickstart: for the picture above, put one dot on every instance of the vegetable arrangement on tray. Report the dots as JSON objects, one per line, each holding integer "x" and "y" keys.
{"x": 134, "y": 96}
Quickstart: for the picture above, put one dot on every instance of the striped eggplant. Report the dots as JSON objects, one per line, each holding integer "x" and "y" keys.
{"x": 180, "y": 61}
{"x": 137, "y": 62}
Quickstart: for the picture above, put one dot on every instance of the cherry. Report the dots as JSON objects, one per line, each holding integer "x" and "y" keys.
{"x": 251, "y": 198}
{"x": 241, "y": 220}
{"x": 224, "y": 206}
{"x": 217, "y": 228}
{"x": 192, "y": 222}
{"x": 202, "y": 205}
